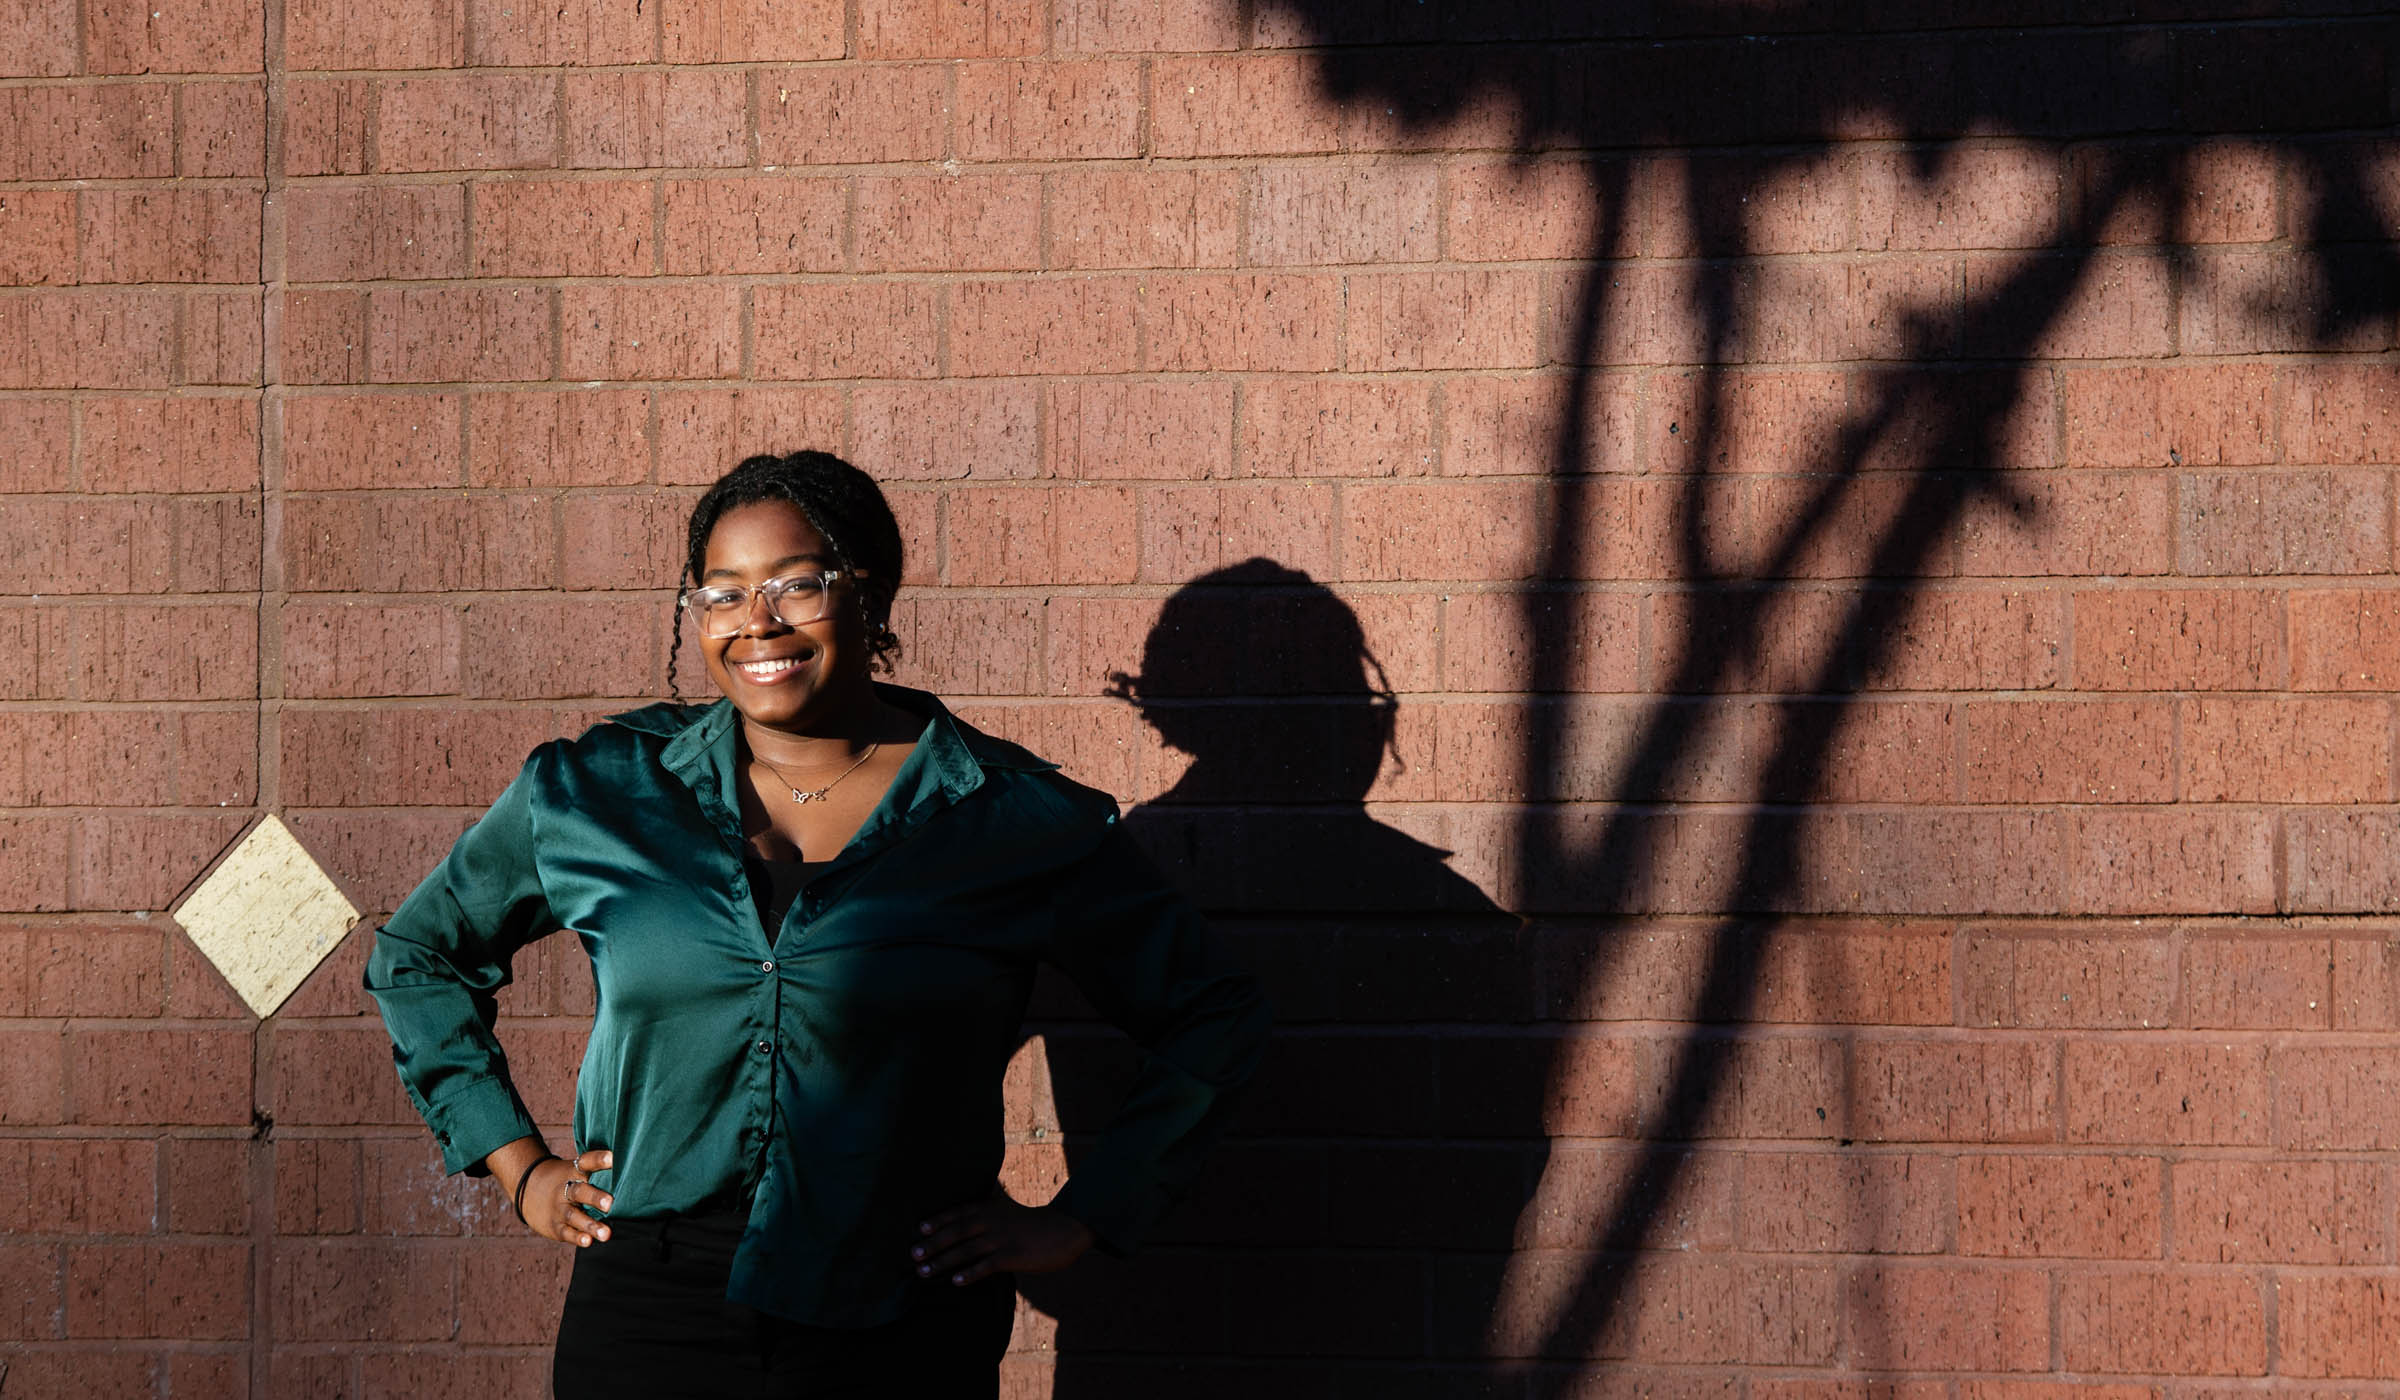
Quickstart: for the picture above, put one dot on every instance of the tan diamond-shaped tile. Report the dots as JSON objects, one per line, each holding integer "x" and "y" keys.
{"x": 267, "y": 915}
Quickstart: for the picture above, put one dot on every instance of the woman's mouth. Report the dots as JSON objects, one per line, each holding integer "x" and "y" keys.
{"x": 770, "y": 671}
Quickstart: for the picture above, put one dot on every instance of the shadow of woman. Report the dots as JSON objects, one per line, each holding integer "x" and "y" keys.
{"x": 1303, "y": 1250}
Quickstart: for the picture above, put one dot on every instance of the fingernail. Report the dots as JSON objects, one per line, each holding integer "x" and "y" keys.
{"x": 925, "y": 1227}
{"x": 603, "y": 1232}
{"x": 917, "y": 1252}
{"x": 924, "y": 1271}
{"x": 958, "y": 1278}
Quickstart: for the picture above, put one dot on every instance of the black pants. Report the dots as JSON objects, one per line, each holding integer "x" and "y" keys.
{"x": 647, "y": 1317}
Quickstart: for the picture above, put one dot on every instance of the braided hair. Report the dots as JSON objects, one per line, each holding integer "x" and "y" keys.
{"x": 844, "y": 505}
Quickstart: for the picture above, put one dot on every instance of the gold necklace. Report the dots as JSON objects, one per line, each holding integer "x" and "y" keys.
{"x": 800, "y": 794}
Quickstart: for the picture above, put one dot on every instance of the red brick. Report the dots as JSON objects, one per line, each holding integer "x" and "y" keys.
{"x": 1191, "y": 530}
{"x": 82, "y": 970}
{"x": 509, "y": 1291}
{"x": 1948, "y": 1317}
{"x": 195, "y": 1291}
{"x": 1511, "y": 425}
{"x": 1842, "y": 1203}
{"x": 87, "y": 340}
{"x": 2173, "y": 1323}
{"x": 1266, "y": 104}
{"x": 2282, "y": 1212}
{"x": 853, "y": 114}
{"x": 36, "y": 445}
{"x": 214, "y": 36}
{"x": 1516, "y": 211}
{"x": 1144, "y": 218}
{"x": 223, "y": 338}
{"x": 2336, "y": 1097}
{"x": 936, "y": 431}
{"x": 1074, "y": 325}
{"x": 355, "y": 651}
{"x": 2253, "y": 303}
{"x": 1266, "y": 322}
{"x": 598, "y": 437}
{"x": 442, "y": 334}
{"x": 2171, "y": 861}
{"x": 775, "y": 224}
{"x": 325, "y": 127}
{"x": 639, "y": 120}
{"x": 37, "y": 238}
{"x": 33, "y": 1082}
{"x": 81, "y": 1375}
{"x": 1685, "y": 1309}
{"x": 128, "y": 861}
{"x": 2337, "y": 1324}
{"x": 347, "y": 441}
{"x": 1131, "y": 26}
{"x": 949, "y": 29}
{"x": 1019, "y": 535}
{"x": 160, "y": 1076}
{"x": 208, "y": 1185}
{"x": 2070, "y": 751}
{"x": 1889, "y": 974}
{"x": 1114, "y": 429}
{"x": 1049, "y": 110}
{"x": 2206, "y": 416}
{"x": 222, "y": 131}
{"x": 1478, "y": 530}
{"x": 1830, "y": 527}
{"x": 103, "y": 1186}
{"x": 970, "y": 646}
{"x": 87, "y": 545}
{"x": 407, "y": 1193}
{"x": 317, "y": 1186}
{"x": 1343, "y": 214}
{"x": 110, "y": 132}
{"x": 2181, "y": 639}
{"x": 1954, "y": 1091}
{"x": 324, "y": 338}
{"x": 405, "y": 757}
{"x": 1441, "y": 320}
{"x": 2120, "y": 306}
{"x": 331, "y": 34}
{"x": 219, "y": 1376}
{"x": 2224, "y": 192}
{"x": 2060, "y": 1207}
{"x": 2285, "y": 523}
{"x": 687, "y": 331}
{"x": 751, "y": 31}
{"x": 340, "y": 233}
{"x": 945, "y": 223}
{"x": 216, "y": 543}
{"x": 340, "y": 1078}
{"x": 2027, "y": 979}
{"x": 40, "y": 639}
{"x": 1872, "y": 751}
{"x": 1763, "y": 421}
{"x": 2341, "y": 414}
{"x": 1977, "y": 197}
{"x": 2119, "y": 523}
{"x": 39, "y": 36}
{"x": 1335, "y": 428}
{"x": 846, "y": 330}
{"x": 2169, "y": 1093}
{"x": 342, "y": 1291}
{"x": 512, "y": 649}
{"x": 704, "y": 432}
{"x": 563, "y": 228}
{"x": 508, "y": 35}
{"x": 173, "y": 444}
{"x": 479, "y": 122}
{"x": 1779, "y": 204}
{"x": 2286, "y": 750}
{"x": 212, "y": 654}
{"x": 1096, "y": 742}
{"x": 410, "y": 544}
{"x": 378, "y": 856}
{"x": 2344, "y": 639}
{"x": 622, "y": 541}
{"x": 197, "y": 991}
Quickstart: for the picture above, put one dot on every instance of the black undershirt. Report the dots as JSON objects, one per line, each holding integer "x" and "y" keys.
{"x": 775, "y": 884}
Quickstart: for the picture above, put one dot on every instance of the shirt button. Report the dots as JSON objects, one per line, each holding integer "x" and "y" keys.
{"x": 762, "y": 1047}
{"x": 767, "y": 966}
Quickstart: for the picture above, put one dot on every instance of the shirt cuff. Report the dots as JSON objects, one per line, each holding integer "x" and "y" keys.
{"x": 475, "y": 1120}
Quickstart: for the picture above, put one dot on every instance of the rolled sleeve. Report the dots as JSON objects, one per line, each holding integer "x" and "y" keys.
{"x": 1142, "y": 954}
{"x": 438, "y": 965}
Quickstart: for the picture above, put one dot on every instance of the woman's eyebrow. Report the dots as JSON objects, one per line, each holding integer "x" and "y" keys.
{"x": 776, "y": 567}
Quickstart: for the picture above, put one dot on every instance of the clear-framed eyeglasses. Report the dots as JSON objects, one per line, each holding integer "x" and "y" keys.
{"x": 795, "y": 600}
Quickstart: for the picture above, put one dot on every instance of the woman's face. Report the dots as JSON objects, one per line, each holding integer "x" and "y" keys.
{"x": 775, "y": 674}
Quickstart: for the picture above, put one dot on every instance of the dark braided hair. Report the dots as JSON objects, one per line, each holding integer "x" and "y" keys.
{"x": 846, "y": 507}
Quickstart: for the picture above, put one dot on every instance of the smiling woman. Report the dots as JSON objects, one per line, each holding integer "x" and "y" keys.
{"x": 814, "y": 910}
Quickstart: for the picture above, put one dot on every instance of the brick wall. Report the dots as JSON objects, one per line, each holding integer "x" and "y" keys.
{"x": 1773, "y": 622}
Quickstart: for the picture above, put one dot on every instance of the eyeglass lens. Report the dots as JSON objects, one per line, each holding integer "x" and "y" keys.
{"x": 794, "y": 602}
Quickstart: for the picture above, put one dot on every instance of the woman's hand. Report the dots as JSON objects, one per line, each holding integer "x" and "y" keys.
{"x": 968, "y": 1242}
{"x": 557, "y": 1192}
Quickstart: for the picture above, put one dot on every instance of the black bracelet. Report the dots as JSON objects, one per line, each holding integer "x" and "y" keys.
{"x": 519, "y": 1201}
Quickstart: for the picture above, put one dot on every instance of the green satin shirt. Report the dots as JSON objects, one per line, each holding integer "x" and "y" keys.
{"x": 843, "y": 1070}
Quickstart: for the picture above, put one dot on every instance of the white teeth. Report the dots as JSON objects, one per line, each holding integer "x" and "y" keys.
{"x": 764, "y": 669}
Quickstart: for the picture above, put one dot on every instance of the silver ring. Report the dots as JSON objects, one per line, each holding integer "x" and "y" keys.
{"x": 567, "y": 1192}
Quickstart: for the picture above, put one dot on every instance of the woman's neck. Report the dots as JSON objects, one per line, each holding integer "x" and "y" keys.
{"x": 831, "y": 738}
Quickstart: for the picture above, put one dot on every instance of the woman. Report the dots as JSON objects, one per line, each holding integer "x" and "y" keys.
{"x": 814, "y": 910}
